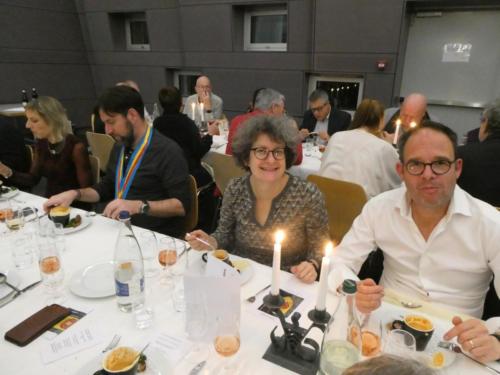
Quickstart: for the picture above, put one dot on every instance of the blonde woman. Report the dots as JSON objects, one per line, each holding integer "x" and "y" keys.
{"x": 59, "y": 156}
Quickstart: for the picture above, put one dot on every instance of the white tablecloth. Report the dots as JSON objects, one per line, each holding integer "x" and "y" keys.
{"x": 95, "y": 244}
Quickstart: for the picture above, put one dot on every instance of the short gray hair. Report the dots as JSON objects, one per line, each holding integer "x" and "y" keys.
{"x": 278, "y": 129}
{"x": 267, "y": 97}
{"x": 319, "y": 94}
{"x": 389, "y": 365}
{"x": 492, "y": 114}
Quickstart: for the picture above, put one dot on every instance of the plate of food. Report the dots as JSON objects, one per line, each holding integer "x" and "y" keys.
{"x": 242, "y": 265}
{"x": 7, "y": 192}
{"x": 71, "y": 222}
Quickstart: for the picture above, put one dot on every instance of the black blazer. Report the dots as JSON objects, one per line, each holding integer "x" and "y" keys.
{"x": 338, "y": 121}
{"x": 481, "y": 169}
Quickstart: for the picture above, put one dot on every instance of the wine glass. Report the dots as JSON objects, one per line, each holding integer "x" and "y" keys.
{"x": 167, "y": 256}
{"x": 51, "y": 270}
{"x": 149, "y": 249}
{"x": 15, "y": 218}
{"x": 197, "y": 326}
{"x": 227, "y": 338}
{"x": 401, "y": 343}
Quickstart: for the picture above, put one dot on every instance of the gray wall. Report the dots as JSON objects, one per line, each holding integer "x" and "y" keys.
{"x": 41, "y": 46}
{"x": 332, "y": 37}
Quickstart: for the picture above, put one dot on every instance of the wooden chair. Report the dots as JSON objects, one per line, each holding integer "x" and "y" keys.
{"x": 225, "y": 169}
{"x": 191, "y": 218}
{"x": 344, "y": 202}
{"x": 100, "y": 146}
{"x": 94, "y": 168}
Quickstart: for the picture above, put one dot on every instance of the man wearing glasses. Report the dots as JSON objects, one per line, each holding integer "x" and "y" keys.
{"x": 322, "y": 119}
{"x": 440, "y": 244}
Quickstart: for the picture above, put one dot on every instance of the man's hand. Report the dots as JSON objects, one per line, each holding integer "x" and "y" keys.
{"x": 324, "y": 135}
{"x": 62, "y": 199}
{"x": 474, "y": 338}
{"x": 206, "y": 100}
{"x": 305, "y": 272}
{"x": 113, "y": 208}
{"x": 369, "y": 296}
{"x": 303, "y": 133}
{"x": 213, "y": 127}
{"x": 388, "y": 137}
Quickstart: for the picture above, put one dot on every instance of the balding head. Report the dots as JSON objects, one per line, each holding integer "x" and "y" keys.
{"x": 203, "y": 85}
{"x": 413, "y": 109}
{"x": 129, "y": 83}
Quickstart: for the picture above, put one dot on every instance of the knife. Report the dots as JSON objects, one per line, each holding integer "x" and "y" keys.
{"x": 12, "y": 295}
{"x": 196, "y": 369}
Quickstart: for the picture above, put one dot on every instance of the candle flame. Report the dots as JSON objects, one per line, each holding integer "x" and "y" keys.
{"x": 192, "y": 105}
{"x": 329, "y": 249}
{"x": 413, "y": 124}
{"x": 398, "y": 122}
{"x": 279, "y": 236}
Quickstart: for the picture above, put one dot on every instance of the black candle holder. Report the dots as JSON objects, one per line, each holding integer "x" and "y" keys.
{"x": 290, "y": 350}
{"x": 319, "y": 316}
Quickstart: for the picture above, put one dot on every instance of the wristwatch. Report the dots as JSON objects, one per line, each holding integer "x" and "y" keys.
{"x": 145, "y": 208}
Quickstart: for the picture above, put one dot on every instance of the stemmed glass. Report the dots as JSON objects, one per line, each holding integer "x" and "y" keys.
{"x": 227, "y": 337}
{"x": 50, "y": 264}
{"x": 149, "y": 249}
{"x": 400, "y": 342}
{"x": 167, "y": 256}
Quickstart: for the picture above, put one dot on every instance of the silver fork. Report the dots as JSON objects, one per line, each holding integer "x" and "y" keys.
{"x": 457, "y": 349}
{"x": 114, "y": 341}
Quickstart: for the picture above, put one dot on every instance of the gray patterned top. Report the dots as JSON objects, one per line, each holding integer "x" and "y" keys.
{"x": 299, "y": 210}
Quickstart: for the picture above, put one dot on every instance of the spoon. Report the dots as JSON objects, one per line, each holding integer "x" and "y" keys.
{"x": 3, "y": 280}
{"x": 410, "y": 304}
{"x": 252, "y": 298}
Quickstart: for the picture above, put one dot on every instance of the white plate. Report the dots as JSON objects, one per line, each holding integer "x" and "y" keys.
{"x": 95, "y": 281}
{"x": 246, "y": 273}
{"x": 13, "y": 191}
{"x": 85, "y": 223}
{"x": 13, "y": 278}
{"x": 156, "y": 364}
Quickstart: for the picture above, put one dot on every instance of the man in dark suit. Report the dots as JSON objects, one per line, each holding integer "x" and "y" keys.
{"x": 321, "y": 118}
{"x": 481, "y": 165}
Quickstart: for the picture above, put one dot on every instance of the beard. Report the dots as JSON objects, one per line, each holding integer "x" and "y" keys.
{"x": 128, "y": 139}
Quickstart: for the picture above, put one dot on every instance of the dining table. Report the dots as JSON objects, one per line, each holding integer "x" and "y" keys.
{"x": 95, "y": 244}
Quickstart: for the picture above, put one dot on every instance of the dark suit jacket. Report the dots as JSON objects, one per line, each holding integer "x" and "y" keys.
{"x": 338, "y": 121}
{"x": 481, "y": 169}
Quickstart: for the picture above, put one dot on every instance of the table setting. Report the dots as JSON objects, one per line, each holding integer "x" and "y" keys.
{"x": 211, "y": 316}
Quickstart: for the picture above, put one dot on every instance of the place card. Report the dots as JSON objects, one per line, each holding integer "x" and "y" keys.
{"x": 173, "y": 348}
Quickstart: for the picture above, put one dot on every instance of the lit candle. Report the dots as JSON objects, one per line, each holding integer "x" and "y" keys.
{"x": 396, "y": 133}
{"x": 201, "y": 112}
{"x": 275, "y": 284}
{"x": 413, "y": 124}
{"x": 193, "y": 105}
{"x": 323, "y": 279}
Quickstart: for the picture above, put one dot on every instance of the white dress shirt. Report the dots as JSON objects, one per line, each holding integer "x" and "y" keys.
{"x": 453, "y": 268}
{"x": 216, "y": 108}
{"x": 362, "y": 158}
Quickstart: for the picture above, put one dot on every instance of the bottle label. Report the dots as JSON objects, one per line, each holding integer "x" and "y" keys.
{"x": 122, "y": 289}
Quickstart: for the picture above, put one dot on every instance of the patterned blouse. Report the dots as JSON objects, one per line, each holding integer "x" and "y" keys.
{"x": 299, "y": 210}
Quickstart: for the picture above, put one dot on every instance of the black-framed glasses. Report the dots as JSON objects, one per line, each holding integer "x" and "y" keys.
{"x": 317, "y": 109}
{"x": 439, "y": 167}
{"x": 261, "y": 153}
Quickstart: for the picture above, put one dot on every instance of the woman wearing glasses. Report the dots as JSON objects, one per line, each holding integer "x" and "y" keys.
{"x": 267, "y": 199}
{"x": 59, "y": 156}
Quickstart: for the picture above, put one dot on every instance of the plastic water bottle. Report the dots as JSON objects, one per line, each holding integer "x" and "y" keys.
{"x": 342, "y": 341}
{"x": 128, "y": 267}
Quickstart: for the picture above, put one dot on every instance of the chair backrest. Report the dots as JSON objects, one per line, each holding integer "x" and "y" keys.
{"x": 30, "y": 152}
{"x": 344, "y": 202}
{"x": 100, "y": 147}
{"x": 94, "y": 168}
{"x": 191, "y": 218}
{"x": 225, "y": 169}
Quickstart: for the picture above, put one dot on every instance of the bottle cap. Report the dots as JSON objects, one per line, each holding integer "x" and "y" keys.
{"x": 124, "y": 215}
{"x": 349, "y": 286}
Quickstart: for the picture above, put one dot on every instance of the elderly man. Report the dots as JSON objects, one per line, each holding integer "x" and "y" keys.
{"x": 321, "y": 118}
{"x": 481, "y": 172}
{"x": 267, "y": 101}
{"x": 440, "y": 244}
{"x": 147, "y": 174}
{"x": 212, "y": 104}
{"x": 412, "y": 110}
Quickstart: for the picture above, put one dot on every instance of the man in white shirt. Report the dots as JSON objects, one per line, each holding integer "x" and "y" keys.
{"x": 212, "y": 104}
{"x": 440, "y": 244}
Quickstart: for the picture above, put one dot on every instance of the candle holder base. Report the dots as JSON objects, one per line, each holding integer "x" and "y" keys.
{"x": 274, "y": 302}
{"x": 319, "y": 316}
{"x": 291, "y": 361}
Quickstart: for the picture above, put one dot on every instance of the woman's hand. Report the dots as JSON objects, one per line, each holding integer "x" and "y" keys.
{"x": 192, "y": 239}
{"x": 305, "y": 271}
{"x": 5, "y": 171}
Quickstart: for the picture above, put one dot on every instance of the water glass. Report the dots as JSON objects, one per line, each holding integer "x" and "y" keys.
{"x": 15, "y": 219}
{"x": 59, "y": 237}
{"x": 149, "y": 249}
{"x": 23, "y": 250}
{"x": 401, "y": 343}
{"x": 197, "y": 326}
{"x": 143, "y": 315}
